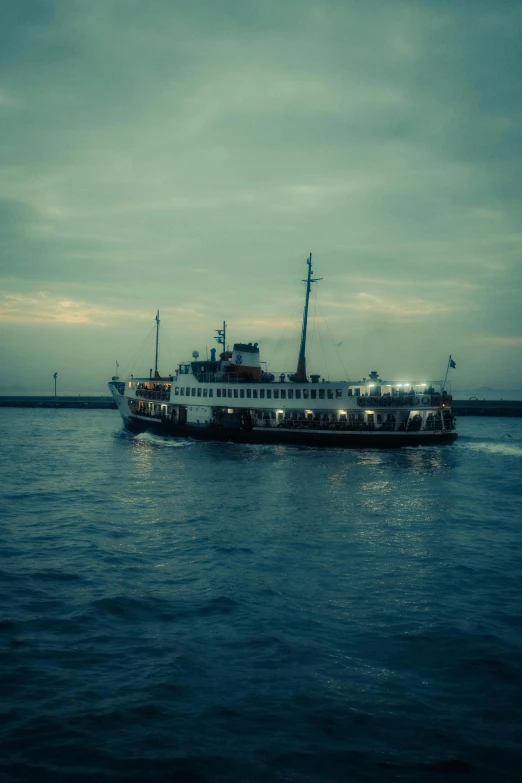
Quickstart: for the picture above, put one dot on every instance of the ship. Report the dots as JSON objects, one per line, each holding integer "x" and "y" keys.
{"x": 229, "y": 397}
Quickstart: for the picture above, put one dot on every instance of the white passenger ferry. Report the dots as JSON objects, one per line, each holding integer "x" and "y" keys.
{"x": 230, "y": 398}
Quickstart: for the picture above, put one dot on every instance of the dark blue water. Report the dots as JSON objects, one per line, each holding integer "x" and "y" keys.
{"x": 178, "y": 611}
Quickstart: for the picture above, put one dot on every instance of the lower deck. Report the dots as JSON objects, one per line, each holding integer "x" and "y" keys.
{"x": 389, "y": 420}
{"x": 301, "y": 436}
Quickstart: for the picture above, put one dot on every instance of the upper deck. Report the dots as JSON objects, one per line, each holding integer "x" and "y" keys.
{"x": 283, "y": 393}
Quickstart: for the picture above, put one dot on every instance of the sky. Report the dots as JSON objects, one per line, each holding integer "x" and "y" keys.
{"x": 187, "y": 157}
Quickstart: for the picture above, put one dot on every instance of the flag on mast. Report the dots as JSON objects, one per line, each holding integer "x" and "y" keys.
{"x": 451, "y": 365}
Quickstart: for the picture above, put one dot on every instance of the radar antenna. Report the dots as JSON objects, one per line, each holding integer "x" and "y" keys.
{"x": 222, "y": 336}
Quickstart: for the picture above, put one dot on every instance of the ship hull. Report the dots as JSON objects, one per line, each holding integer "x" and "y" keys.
{"x": 294, "y": 437}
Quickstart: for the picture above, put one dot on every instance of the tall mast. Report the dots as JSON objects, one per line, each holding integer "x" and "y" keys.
{"x": 300, "y": 374}
{"x": 157, "y": 344}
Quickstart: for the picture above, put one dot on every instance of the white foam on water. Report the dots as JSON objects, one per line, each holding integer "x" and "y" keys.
{"x": 162, "y": 440}
{"x": 505, "y": 448}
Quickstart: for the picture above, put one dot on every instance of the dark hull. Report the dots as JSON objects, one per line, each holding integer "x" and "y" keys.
{"x": 302, "y": 437}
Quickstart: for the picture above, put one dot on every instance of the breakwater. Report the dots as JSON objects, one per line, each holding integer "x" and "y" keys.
{"x": 487, "y": 407}
{"x": 460, "y": 407}
{"x": 57, "y": 402}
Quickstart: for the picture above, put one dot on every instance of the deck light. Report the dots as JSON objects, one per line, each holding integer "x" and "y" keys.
{"x": 279, "y": 411}
{"x": 343, "y": 413}
{"x": 369, "y": 412}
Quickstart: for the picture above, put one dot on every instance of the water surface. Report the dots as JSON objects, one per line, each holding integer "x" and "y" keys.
{"x": 184, "y": 611}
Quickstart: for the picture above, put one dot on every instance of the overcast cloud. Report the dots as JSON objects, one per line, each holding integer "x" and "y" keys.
{"x": 188, "y": 156}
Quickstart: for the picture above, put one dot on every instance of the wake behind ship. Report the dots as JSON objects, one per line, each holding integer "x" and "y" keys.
{"x": 230, "y": 398}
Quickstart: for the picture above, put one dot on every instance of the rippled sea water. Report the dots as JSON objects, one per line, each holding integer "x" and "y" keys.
{"x": 182, "y": 611}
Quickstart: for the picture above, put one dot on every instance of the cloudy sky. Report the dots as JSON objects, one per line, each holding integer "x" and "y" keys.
{"x": 188, "y": 156}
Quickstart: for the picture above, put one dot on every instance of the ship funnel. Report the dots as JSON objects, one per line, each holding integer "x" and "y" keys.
{"x": 245, "y": 359}
{"x": 246, "y": 355}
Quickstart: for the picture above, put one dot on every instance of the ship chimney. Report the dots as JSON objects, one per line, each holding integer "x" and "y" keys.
{"x": 245, "y": 360}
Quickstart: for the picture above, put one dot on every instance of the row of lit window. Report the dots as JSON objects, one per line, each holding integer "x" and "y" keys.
{"x": 262, "y": 394}
{"x": 309, "y": 415}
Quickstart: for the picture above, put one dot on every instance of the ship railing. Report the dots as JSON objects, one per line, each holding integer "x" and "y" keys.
{"x": 303, "y": 424}
{"x": 347, "y": 426}
{"x": 146, "y": 412}
{"x": 150, "y": 394}
{"x": 403, "y": 401}
{"x": 225, "y": 377}
{"x": 219, "y": 377}
{"x": 155, "y": 386}
{"x": 242, "y": 377}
